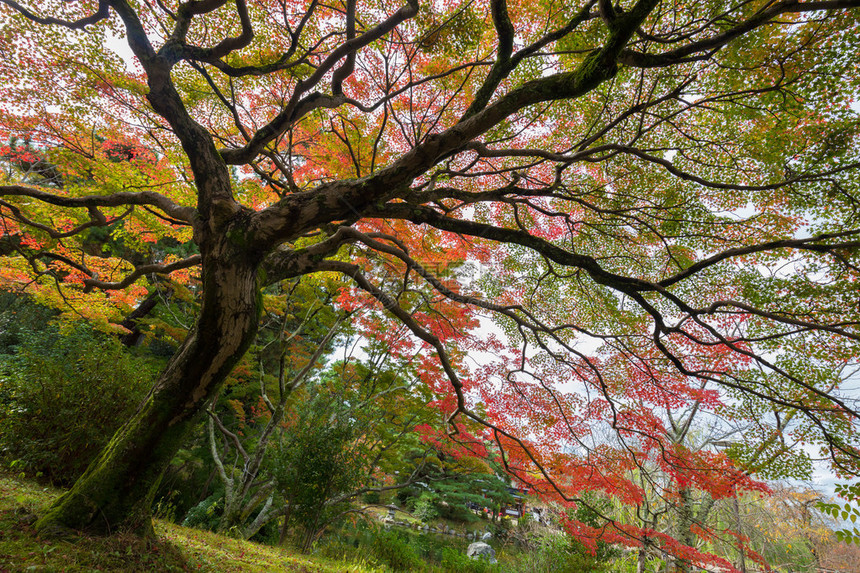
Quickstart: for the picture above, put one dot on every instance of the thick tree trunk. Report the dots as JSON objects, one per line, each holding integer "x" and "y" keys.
{"x": 116, "y": 491}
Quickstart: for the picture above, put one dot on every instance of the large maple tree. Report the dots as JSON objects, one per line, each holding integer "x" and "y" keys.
{"x": 656, "y": 201}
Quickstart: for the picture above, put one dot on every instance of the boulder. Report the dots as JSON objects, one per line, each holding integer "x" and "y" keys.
{"x": 480, "y": 550}
{"x": 486, "y": 536}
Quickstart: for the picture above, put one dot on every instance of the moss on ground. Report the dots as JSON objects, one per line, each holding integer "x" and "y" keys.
{"x": 175, "y": 548}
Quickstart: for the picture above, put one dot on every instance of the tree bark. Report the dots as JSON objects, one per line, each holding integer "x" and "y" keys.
{"x": 116, "y": 491}
{"x": 742, "y": 563}
{"x": 685, "y": 522}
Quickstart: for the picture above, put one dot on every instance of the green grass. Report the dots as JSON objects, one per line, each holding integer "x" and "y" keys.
{"x": 175, "y": 549}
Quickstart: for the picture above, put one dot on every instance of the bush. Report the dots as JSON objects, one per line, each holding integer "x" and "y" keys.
{"x": 62, "y": 396}
{"x": 554, "y": 553}
{"x": 455, "y": 561}
{"x": 401, "y": 550}
{"x": 395, "y": 551}
{"x": 19, "y": 318}
{"x": 425, "y": 507}
{"x": 206, "y": 514}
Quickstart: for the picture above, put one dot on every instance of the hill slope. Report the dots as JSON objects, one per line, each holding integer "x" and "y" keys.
{"x": 176, "y": 549}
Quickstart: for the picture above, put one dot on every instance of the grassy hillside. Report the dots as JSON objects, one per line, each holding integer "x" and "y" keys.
{"x": 176, "y": 549}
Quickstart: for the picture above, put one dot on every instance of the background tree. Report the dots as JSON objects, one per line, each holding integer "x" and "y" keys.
{"x": 648, "y": 182}
{"x": 347, "y": 438}
{"x": 314, "y": 467}
{"x": 248, "y": 492}
{"x": 459, "y": 483}
{"x": 788, "y": 529}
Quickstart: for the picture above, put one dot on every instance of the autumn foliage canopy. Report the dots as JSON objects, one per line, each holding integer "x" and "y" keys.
{"x": 601, "y": 228}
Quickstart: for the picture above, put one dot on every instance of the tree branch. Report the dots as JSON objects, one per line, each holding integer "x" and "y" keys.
{"x": 151, "y": 198}
{"x": 708, "y": 46}
{"x": 142, "y": 270}
{"x": 101, "y": 13}
{"x": 297, "y": 106}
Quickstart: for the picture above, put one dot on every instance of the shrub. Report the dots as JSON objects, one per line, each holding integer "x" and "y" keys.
{"x": 314, "y": 465}
{"x": 455, "y": 561}
{"x": 395, "y": 551}
{"x": 425, "y": 507}
{"x": 62, "y": 396}
{"x": 206, "y": 514}
{"x": 554, "y": 553}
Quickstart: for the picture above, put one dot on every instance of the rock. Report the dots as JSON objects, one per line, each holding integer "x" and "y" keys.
{"x": 486, "y": 536}
{"x": 480, "y": 550}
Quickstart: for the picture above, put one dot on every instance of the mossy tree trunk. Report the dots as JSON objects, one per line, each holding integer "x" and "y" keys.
{"x": 116, "y": 491}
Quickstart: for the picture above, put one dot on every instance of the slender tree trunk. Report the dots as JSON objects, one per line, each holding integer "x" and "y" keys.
{"x": 742, "y": 563}
{"x": 285, "y": 526}
{"x": 266, "y": 515}
{"x": 685, "y": 521}
{"x": 204, "y": 493}
{"x": 116, "y": 491}
{"x": 310, "y": 535}
{"x": 642, "y": 556}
